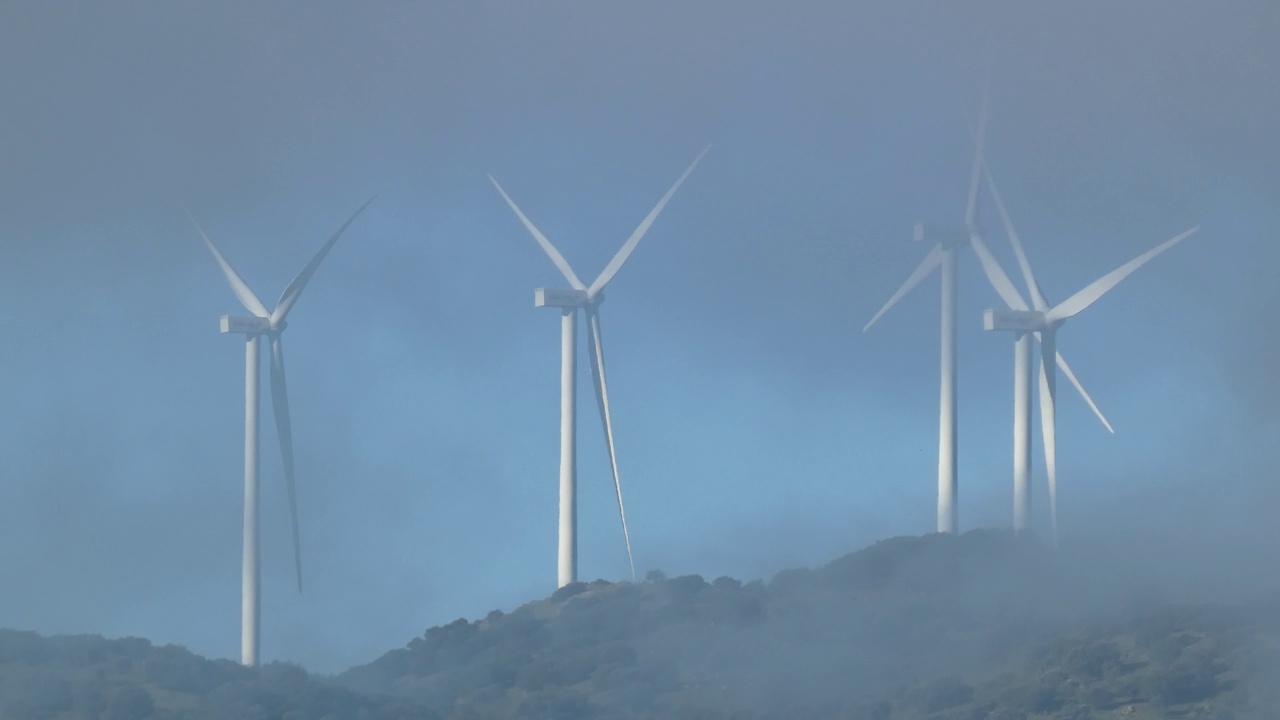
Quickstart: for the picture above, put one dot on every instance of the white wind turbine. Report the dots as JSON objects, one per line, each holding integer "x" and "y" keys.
{"x": 1043, "y": 320}
{"x": 570, "y": 301}
{"x": 270, "y": 324}
{"x": 947, "y": 240}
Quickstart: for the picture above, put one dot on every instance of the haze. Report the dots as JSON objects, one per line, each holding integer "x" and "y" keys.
{"x": 758, "y": 428}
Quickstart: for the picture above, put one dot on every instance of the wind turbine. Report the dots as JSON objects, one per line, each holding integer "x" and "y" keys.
{"x": 569, "y": 301}
{"x": 1002, "y": 321}
{"x": 947, "y": 240}
{"x": 1043, "y": 320}
{"x": 270, "y": 324}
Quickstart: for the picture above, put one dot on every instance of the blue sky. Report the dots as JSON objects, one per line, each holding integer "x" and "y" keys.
{"x": 757, "y": 426}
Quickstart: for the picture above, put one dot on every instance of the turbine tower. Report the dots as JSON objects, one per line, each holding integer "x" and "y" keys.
{"x": 579, "y": 296}
{"x": 947, "y": 241}
{"x": 1043, "y": 321}
{"x": 270, "y": 324}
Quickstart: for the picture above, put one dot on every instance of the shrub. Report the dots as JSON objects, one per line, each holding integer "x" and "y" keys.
{"x": 1186, "y": 681}
{"x": 127, "y": 702}
{"x": 724, "y": 582}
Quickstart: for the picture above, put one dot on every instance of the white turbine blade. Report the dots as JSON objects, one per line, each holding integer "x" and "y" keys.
{"x": 971, "y": 210}
{"x": 280, "y": 405}
{"x": 926, "y": 266}
{"x": 561, "y": 264}
{"x": 1090, "y": 294}
{"x": 1062, "y": 364}
{"x": 996, "y": 275}
{"x": 246, "y": 296}
{"x": 1048, "y": 428}
{"x": 294, "y": 290}
{"x": 1037, "y": 297}
{"x": 625, "y": 251}
{"x": 596, "y": 352}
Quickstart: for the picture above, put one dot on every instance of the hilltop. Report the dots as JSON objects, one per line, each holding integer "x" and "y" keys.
{"x": 982, "y": 625}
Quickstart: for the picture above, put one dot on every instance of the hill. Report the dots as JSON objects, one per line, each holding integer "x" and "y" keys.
{"x": 982, "y": 625}
{"x": 89, "y": 677}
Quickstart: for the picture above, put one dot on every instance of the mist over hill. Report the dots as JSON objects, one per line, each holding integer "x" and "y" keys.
{"x": 981, "y": 625}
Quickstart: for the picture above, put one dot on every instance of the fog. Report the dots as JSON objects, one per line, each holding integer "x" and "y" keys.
{"x": 757, "y": 426}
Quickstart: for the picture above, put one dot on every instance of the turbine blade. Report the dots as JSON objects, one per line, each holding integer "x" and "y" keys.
{"x": 971, "y": 210}
{"x": 996, "y": 275}
{"x": 280, "y": 405}
{"x": 625, "y": 251}
{"x": 926, "y": 266}
{"x": 1062, "y": 365}
{"x": 561, "y": 264}
{"x": 294, "y": 290}
{"x": 1048, "y": 428}
{"x": 241, "y": 289}
{"x": 1073, "y": 305}
{"x": 1037, "y": 297}
{"x": 602, "y": 401}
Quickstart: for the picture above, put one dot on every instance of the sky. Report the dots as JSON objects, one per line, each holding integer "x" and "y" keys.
{"x": 758, "y": 427}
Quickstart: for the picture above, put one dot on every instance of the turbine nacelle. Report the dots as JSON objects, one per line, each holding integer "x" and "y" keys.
{"x": 949, "y": 237}
{"x": 250, "y": 325}
{"x": 1020, "y": 321}
{"x": 565, "y": 298}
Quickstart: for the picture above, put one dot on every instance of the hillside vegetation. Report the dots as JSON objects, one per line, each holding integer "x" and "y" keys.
{"x": 982, "y": 625}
